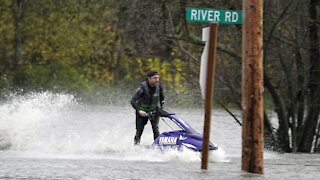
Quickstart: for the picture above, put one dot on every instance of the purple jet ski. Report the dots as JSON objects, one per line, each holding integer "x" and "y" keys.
{"x": 187, "y": 137}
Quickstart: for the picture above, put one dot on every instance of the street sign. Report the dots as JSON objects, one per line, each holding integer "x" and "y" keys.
{"x": 204, "y": 61}
{"x": 208, "y": 60}
{"x": 213, "y": 15}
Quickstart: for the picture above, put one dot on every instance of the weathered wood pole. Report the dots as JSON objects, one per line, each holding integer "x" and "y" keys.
{"x": 252, "y": 86}
{"x": 209, "y": 93}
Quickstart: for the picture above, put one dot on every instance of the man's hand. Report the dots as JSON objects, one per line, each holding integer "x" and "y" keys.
{"x": 143, "y": 113}
{"x": 161, "y": 104}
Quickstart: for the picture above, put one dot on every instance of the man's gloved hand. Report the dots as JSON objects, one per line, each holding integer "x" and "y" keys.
{"x": 162, "y": 104}
{"x": 143, "y": 113}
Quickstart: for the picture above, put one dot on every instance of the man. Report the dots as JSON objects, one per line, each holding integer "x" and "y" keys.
{"x": 147, "y": 99}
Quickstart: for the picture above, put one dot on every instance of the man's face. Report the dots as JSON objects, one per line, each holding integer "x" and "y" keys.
{"x": 153, "y": 80}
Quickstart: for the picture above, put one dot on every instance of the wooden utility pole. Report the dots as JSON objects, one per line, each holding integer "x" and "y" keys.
{"x": 211, "y": 66}
{"x": 252, "y": 86}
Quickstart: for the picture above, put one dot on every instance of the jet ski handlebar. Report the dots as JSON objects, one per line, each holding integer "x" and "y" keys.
{"x": 159, "y": 112}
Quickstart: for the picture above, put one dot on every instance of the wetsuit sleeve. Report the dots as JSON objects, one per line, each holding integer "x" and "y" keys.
{"x": 161, "y": 96}
{"x": 134, "y": 100}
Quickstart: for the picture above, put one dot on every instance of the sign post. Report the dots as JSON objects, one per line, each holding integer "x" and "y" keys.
{"x": 252, "y": 77}
{"x": 211, "y": 64}
{"x": 208, "y": 60}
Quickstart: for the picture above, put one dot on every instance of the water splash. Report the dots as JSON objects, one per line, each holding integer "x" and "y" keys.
{"x": 57, "y": 125}
{"x": 218, "y": 155}
{"x": 23, "y": 117}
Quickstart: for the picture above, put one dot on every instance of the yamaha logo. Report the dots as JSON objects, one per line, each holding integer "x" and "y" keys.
{"x": 168, "y": 140}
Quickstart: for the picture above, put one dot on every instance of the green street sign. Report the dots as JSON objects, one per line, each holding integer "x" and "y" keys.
{"x": 213, "y": 15}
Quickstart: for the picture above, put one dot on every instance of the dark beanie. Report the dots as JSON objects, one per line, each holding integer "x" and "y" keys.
{"x": 152, "y": 73}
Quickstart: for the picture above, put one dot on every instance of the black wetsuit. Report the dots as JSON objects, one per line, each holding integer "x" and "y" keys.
{"x": 147, "y": 98}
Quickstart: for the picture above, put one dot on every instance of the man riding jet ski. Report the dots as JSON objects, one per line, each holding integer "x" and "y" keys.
{"x": 178, "y": 139}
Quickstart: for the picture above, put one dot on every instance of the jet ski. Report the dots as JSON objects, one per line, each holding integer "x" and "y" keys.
{"x": 187, "y": 137}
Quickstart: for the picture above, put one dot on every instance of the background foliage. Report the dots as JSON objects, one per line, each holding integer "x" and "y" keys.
{"x": 97, "y": 48}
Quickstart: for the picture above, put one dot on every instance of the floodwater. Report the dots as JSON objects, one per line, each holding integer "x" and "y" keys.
{"x": 54, "y": 136}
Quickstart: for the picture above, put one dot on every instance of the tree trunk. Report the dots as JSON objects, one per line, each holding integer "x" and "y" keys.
{"x": 314, "y": 82}
{"x": 291, "y": 105}
{"x": 316, "y": 143}
{"x": 17, "y": 11}
{"x": 283, "y": 136}
{"x": 270, "y": 140}
{"x": 299, "y": 98}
